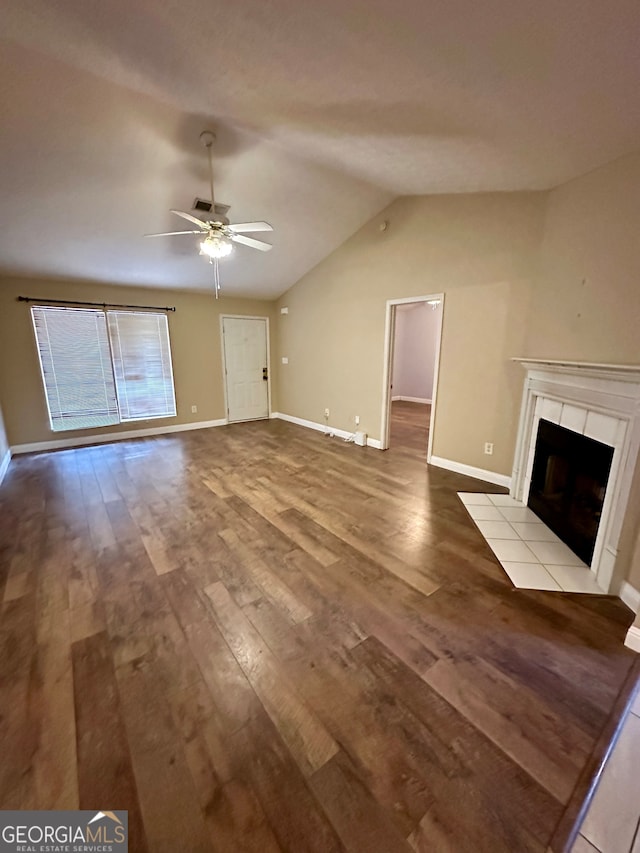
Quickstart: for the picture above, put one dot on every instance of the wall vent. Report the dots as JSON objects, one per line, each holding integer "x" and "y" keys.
{"x": 202, "y": 204}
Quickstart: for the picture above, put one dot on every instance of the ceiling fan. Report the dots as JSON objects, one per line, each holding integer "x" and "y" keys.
{"x": 218, "y": 233}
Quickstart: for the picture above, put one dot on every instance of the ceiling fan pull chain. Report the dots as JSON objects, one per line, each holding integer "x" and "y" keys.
{"x": 216, "y": 277}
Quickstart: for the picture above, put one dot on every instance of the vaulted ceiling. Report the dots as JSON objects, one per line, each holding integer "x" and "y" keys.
{"x": 324, "y": 112}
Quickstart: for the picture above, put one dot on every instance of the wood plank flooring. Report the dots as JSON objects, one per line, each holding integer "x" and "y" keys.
{"x": 257, "y": 638}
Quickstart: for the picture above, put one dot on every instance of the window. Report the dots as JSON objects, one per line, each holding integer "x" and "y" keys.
{"x": 142, "y": 364}
{"x": 101, "y": 368}
{"x": 75, "y": 360}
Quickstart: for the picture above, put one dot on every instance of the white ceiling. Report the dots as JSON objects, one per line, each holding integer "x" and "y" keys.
{"x": 324, "y": 112}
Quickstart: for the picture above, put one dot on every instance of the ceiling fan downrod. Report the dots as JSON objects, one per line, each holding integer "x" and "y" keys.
{"x": 208, "y": 137}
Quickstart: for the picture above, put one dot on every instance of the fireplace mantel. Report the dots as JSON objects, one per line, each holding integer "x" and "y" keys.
{"x": 580, "y": 366}
{"x": 618, "y": 372}
{"x": 601, "y": 401}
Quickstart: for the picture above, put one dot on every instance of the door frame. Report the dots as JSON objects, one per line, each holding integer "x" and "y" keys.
{"x": 224, "y": 363}
{"x": 387, "y": 368}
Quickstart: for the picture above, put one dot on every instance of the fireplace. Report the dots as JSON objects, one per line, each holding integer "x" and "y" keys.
{"x": 586, "y": 419}
{"x": 568, "y": 484}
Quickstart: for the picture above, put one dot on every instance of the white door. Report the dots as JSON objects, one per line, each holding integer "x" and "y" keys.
{"x": 246, "y": 364}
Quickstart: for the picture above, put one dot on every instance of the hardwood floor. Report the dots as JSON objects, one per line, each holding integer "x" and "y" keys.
{"x": 256, "y": 638}
{"x": 410, "y": 427}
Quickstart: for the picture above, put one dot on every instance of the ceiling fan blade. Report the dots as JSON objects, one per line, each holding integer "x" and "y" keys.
{"x": 249, "y": 241}
{"x": 250, "y": 226}
{"x": 172, "y": 233}
{"x": 194, "y": 219}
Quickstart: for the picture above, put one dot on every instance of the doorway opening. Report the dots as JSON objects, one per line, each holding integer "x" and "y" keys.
{"x": 245, "y": 361}
{"x": 413, "y": 331}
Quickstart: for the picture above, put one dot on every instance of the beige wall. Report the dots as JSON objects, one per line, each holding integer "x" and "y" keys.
{"x": 632, "y": 571}
{"x": 195, "y": 346}
{"x": 481, "y": 251}
{"x": 587, "y": 304}
{"x": 587, "y": 300}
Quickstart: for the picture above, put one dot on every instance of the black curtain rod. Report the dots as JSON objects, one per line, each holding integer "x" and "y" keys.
{"x": 103, "y": 305}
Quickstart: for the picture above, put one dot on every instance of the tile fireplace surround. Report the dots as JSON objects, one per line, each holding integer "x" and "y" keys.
{"x": 600, "y": 401}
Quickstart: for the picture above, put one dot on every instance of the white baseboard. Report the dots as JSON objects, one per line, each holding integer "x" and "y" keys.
{"x": 340, "y": 433}
{"x": 424, "y": 400}
{"x": 4, "y": 465}
{"x": 630, "y": 595}
{"x": 334, "y": 431}
{"x": 108, "y": 437}
{"x": 632, "y": 640}
{"x": 470, "y": 471}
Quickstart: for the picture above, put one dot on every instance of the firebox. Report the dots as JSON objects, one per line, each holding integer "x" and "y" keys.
{"x": 568, "y": 484}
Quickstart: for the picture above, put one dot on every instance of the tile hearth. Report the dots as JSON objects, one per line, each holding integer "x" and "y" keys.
{"x": 529, "y": 552}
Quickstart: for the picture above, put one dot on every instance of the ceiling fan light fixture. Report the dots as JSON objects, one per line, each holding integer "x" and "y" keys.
{"x": 215, "y": 247}
{"x": 218, "y": 235}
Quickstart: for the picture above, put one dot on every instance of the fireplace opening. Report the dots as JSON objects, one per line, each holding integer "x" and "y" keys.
{"x": 568, "y": 484}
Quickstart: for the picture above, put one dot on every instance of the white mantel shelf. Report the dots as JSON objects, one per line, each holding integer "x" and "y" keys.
{"x": 622, "y": 372}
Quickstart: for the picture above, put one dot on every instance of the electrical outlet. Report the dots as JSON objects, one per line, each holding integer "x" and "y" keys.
{"x": 357, "y": 419}
{"x": 194, "y": 409}
{"x": 285, "y": 360}
{"x": 326, "y": 413}
{"x": 488, "y": 448}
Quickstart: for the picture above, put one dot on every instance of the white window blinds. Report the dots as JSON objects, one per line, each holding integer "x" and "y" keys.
{"x": 75, "y": 360}
{"x": 142, "y": 364}
{"x": 100, "y": 369}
